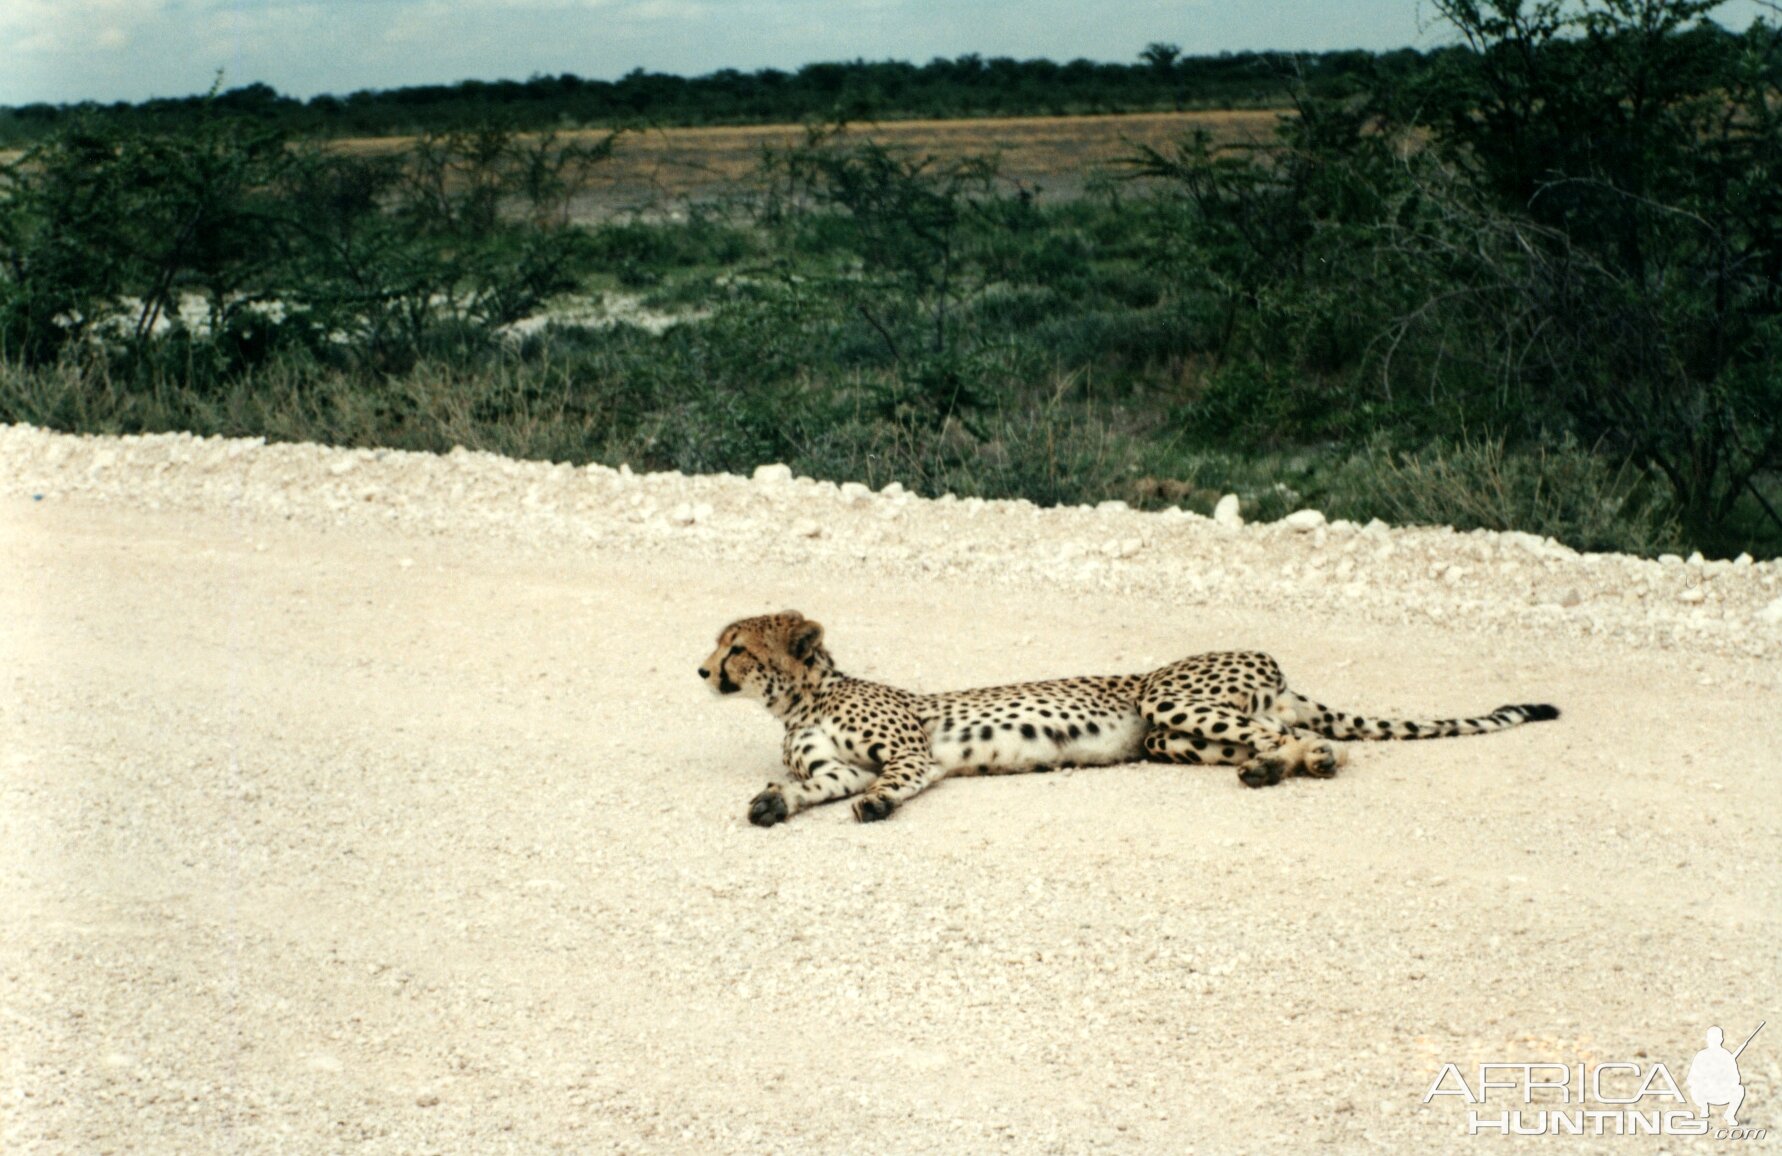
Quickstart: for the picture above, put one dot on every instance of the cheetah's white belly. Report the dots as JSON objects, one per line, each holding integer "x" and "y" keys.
{"x": 1021, "y": 746}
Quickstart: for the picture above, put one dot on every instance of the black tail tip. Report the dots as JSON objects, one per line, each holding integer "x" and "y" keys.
{"x": 1535, "y": 711}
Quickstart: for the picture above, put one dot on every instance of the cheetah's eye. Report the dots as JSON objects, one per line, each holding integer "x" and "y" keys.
{"x": 734, "y": 650}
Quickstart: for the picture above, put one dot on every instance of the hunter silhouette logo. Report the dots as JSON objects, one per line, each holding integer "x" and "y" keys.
{"x": 1714, "y": 1075}
{"x": 1619, "y": 1098}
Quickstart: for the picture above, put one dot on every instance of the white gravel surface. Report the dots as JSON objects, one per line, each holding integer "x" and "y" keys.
{"x": 369, "y": 800}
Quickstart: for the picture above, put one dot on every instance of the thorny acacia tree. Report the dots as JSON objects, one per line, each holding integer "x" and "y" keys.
{"x": 104, "y": 232}
{"x": 910, "y": 222}
{"x": 1572, "y": 219}
{"x": 1643, "y": 144}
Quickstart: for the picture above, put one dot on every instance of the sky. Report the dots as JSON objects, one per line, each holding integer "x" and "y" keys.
{"x": 70, "y": 50}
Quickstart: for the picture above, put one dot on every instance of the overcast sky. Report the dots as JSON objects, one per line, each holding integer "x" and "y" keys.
{"x": 68, "y": 50}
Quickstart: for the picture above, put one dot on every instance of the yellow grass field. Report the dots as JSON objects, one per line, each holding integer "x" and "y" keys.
{"x": 1053, "y": 152}
{"x": 1056, "y": 154}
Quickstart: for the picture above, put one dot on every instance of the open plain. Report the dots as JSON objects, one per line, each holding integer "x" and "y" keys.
{"x": 1059, "y": 154}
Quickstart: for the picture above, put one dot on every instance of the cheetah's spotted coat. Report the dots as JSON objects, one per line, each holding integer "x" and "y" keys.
{"x": 849, "y": 737}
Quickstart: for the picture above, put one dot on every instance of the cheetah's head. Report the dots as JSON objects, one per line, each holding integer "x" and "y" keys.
{"x": 769, "y": 657}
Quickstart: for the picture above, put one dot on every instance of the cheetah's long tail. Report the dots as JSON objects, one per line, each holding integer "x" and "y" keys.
{"x": 1336, "y": 724}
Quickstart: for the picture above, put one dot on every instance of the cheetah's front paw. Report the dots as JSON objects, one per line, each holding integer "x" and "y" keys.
{"x": 872, "y": 808}
{"x": 769, "y": 807}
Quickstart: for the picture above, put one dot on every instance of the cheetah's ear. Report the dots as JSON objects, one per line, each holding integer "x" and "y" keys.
{"x": 806, "y": 636}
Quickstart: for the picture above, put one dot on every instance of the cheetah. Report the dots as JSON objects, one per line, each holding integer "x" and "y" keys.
{"x": 850, "y": 737}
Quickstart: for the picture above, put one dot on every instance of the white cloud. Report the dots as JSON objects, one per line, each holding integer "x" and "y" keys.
{"x": 668, "y": 10}
{"x": 35, "y": 27}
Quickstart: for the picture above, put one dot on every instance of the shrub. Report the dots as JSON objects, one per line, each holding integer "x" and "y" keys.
{"x": 1559, "y": 490}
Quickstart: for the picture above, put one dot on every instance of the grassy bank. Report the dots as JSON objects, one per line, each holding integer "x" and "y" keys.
{"x": 1077, "y": 374}
{"x": 625, "y": 394}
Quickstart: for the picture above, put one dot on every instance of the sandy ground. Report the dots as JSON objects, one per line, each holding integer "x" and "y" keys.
{"x": 353, "y": 802}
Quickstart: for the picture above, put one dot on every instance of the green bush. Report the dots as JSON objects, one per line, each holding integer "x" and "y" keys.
{"x": 105, "y": 234}
{"x": 1562, "y": 491}
{"x": 694, "y": 242}
{"x": 1569, "y": 224}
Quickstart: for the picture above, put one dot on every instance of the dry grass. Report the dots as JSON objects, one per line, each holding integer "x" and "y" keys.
{"x": 1058, "y": 153}
{"x": 1055, "y": 152}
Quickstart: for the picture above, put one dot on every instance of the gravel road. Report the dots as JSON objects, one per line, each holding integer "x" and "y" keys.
{"x": 365, "y": 800}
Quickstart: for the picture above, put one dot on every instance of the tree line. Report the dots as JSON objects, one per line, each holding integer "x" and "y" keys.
{"x": 965, "y": 86}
